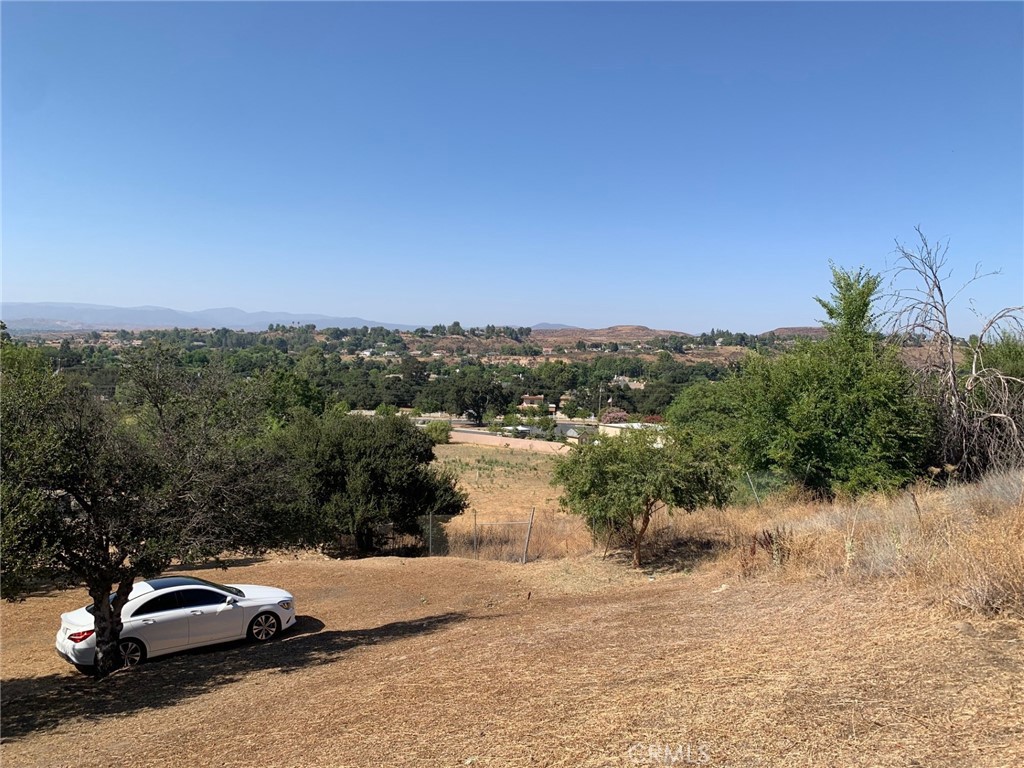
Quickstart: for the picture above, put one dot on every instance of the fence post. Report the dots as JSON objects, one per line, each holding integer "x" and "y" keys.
{"x": 529, "y": 530}
{"x": 475, "y": 553}
{"x": 758, "y": 498}
{"x": 430, "y": 536}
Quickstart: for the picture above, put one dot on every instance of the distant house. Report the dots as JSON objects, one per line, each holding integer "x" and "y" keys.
{"x": 626, "y": 381}
{"x": 574, "y": 433}
{"x": 532, "y": 401}
{"x": 611, "y": 430}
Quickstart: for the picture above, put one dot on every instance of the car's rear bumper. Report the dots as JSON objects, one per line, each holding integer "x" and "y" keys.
{"x": 75, "y": 653}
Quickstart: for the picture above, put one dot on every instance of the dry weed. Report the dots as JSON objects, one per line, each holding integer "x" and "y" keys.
{"x": 962, "y": 546}
{"x": 504, "y": 486}
{"x": 555, "y": 534}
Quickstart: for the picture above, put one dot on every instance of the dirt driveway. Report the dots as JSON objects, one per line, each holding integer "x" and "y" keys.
{"x": 450, "y": 662}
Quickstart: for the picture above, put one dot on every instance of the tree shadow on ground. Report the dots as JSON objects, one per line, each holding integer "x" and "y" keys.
{"x": 215, "y": 564}
{"x": 35, "y": 704}
{"x": 663, "y": 555}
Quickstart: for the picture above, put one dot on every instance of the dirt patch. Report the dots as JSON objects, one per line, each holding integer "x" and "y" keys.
{"x": 577, "y": 662}
{"x": 501, "y": 481}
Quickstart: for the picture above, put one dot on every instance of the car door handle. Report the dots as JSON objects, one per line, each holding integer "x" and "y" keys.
{"x": 197, "y": 613}
{"x": 149, "y": 621}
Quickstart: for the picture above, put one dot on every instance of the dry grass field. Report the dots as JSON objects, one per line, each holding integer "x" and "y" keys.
{"x": 879, "y": 634}
{"x": 504, "y": 486}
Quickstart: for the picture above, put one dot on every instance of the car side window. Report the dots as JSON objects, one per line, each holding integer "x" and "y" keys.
{"x": 165, "y": 602}
{"x": 195, "y": 598}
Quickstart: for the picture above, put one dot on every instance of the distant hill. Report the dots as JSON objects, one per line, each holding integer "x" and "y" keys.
{"x": 809, "y": 331}
{"x": 554, "y": 327}
{"x": 570, "y": 335}
{"x": 57, "y": 316}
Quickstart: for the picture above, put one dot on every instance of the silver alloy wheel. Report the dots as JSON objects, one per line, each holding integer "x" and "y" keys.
{"x": 131, "y": 652}
{"x": 263, "y": 627}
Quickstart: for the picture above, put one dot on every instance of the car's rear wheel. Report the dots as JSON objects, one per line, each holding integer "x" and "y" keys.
{"x": 264, "y": 627}
{"x": 133, "y": 652}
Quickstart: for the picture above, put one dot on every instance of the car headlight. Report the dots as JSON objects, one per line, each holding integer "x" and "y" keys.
{"x": 286, "y": 604}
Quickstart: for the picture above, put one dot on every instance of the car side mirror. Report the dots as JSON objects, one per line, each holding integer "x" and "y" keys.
{"x": 231, "y": 600}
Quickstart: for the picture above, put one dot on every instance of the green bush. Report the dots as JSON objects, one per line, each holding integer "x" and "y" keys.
{"x": 837, "y": 416}
{"x": 439, "y": 432}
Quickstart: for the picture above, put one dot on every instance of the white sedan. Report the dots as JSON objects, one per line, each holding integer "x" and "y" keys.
{"x": 174, "y": 613}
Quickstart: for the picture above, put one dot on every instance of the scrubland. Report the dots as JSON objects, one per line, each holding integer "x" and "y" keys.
{"x": 959, "y": 547}
{"x": 877, "y": 632}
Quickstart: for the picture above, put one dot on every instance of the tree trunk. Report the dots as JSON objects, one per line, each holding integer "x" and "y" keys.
{"x": 639, "y": 537}
{"x": 107, "y": 622}
{"x": 365, "y": 543}
{"x": 108, "y": 631}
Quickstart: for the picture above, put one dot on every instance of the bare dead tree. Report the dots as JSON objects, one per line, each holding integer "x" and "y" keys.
{"x": 980, "y": 408}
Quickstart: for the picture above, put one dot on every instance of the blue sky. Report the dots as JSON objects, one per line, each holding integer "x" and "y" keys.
{"x": 676, "y": 165}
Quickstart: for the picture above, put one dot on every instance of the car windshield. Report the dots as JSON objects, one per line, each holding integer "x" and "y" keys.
{"x": 179, "y": 581}
{"x": 233, "y": 590}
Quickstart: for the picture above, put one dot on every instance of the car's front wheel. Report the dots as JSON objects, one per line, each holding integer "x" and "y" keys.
{"x": 264, "y": 627}
{"x": 132, "y": 652}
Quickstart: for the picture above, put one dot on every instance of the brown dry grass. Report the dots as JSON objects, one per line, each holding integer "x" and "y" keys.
{"x": 504, "y": 486}
{"x": 445, "y": 661}
{"x": 962, "y": 547}
{"x": 826, "y": 655}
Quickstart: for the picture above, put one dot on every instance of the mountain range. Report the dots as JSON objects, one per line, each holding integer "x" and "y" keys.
{"x": 62, "y": 316}
{"x": 58, "y": 316}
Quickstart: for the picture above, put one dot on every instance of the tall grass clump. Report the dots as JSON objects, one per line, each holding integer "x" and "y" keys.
{"x": 555, "y": 535}
{"x": 962, "y": 546}
{"x": 976, "y": 562}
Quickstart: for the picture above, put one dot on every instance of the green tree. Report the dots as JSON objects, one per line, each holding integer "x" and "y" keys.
{"x": 838, "y": 415}
{"x": 474, "y": 391}
{"x": 571, "y": 409}
{"x": 711, "y": 411}
{"x": 105, "y": 493}
{"x": 618, "y": 483}
{"x": 355, "y": 475}
{"x": 286, "y": 390}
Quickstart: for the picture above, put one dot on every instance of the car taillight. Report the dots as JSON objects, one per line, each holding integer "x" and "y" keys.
{"x": 77, "y": 637}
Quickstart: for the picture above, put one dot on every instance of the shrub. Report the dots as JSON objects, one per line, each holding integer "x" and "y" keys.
{"x": 614, "y": 416}
{"x": 440, "y": 432}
